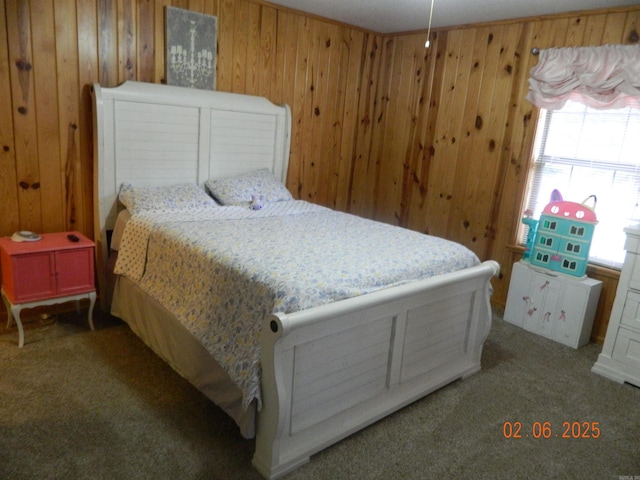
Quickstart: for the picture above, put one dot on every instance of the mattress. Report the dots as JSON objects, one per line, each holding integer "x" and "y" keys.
{"x": 221, "y": 271}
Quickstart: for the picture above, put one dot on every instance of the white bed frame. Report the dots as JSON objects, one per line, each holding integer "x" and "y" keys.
{"x": 327, "y": 371}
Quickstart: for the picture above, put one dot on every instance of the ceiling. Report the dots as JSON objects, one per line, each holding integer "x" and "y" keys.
{"x": 391, "y": 16}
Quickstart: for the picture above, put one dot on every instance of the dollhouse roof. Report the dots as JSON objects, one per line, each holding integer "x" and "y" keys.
{"x": 571, "y": 210}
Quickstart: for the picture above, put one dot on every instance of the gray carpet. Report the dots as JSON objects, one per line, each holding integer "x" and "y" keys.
{"x": 82, "y": 404}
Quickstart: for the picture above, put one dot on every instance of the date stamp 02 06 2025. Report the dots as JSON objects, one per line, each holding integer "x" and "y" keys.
{"x": 515, "y": 430}
{"x": 545, "y": 430}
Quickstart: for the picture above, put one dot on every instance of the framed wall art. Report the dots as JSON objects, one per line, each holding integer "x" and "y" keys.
{"x": 191, "y": 45}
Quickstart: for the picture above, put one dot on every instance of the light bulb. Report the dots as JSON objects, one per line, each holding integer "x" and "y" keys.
{"x": 427, "y": 43}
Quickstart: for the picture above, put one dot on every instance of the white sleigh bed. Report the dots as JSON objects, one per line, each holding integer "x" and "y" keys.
{"x": 414, "y": 337}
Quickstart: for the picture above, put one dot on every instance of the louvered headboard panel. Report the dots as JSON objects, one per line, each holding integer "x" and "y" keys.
{"x": 155, "y": 144}
{"x": 150, "y": 134}
{"x": 231, "y": 146}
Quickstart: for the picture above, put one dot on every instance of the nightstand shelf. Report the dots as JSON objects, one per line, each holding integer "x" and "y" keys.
{"x": 45, "y": 272}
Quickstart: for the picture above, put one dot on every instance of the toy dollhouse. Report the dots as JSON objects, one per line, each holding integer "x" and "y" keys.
{"x": 549, "y": 291}
{"x": 562, "y": 236}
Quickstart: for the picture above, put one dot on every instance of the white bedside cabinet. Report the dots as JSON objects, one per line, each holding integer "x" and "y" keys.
{"x": 556, "y": 306}
{"x": 620, "y": 357}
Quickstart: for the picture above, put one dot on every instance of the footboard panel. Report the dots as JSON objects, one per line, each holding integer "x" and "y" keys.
{"x": 435, "y": 335}
{"x": 332, "y": 370}
{"x": 338, "y": 371}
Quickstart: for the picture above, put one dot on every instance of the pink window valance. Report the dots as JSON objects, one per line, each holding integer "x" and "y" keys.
{"x": 600, "y": 77}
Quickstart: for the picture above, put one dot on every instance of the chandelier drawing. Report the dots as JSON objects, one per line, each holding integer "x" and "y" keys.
{"x": 191, "y": 65}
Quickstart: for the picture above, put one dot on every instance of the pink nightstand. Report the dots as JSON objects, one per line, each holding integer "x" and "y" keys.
{"x": 45, "y": 272}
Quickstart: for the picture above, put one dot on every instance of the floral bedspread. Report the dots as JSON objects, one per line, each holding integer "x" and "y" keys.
{"x": 222, "y": 270}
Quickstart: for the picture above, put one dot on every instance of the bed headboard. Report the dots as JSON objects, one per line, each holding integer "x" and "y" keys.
{"x": 150, "y": 134}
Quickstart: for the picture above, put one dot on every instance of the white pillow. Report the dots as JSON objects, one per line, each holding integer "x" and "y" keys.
{"x": 238, "y": 190}
{"x": 165, "y": 198}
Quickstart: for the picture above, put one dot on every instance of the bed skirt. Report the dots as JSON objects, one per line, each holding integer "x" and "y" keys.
{"x": 172, "y": 342}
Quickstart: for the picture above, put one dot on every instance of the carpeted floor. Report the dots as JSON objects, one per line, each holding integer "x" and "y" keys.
{"x": 77, "y": 404}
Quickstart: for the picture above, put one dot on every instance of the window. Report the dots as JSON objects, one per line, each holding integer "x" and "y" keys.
{"x": 581, "y": 152}
{"x": 545, "y": 241}
{"x": 577, "y": 231}
{"x": 542, "y": 257}
{"x": 573, "y": 248}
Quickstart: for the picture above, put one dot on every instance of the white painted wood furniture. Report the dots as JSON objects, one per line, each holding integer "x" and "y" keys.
{"x": 413, "y": 338}
{"x": 556, "y": 306}
{"x": 620, "y": 357}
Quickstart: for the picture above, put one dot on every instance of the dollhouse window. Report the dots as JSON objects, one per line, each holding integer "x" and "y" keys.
{"x": 542, "y": 257}
{"x": 546, "y": 241}
{"x": 578, "y": 231}
{"x": 574, "y": 248}
{"x": 569, "y": 265}
{"x": 550, "y": 225}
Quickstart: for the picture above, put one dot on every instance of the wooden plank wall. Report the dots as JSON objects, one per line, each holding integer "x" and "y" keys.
{"x": 458, "y": 132}
{"x": 51, "y": 52}
{"x": 436, "y": 140}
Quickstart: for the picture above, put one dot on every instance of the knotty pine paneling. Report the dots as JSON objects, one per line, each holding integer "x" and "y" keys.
{"x": 51, "y": 52}
{"x": 10, "y": 216}
{"x": 436, "y": 140}
{"x": 466, "y": 181}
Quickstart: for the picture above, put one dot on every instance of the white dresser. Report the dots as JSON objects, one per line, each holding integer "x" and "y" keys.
{"x": 557, "y": 306}
{"x": 620, "y": 357}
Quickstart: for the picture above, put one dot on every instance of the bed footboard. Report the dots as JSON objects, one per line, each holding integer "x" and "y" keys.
{"x": 329, "y": 371}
